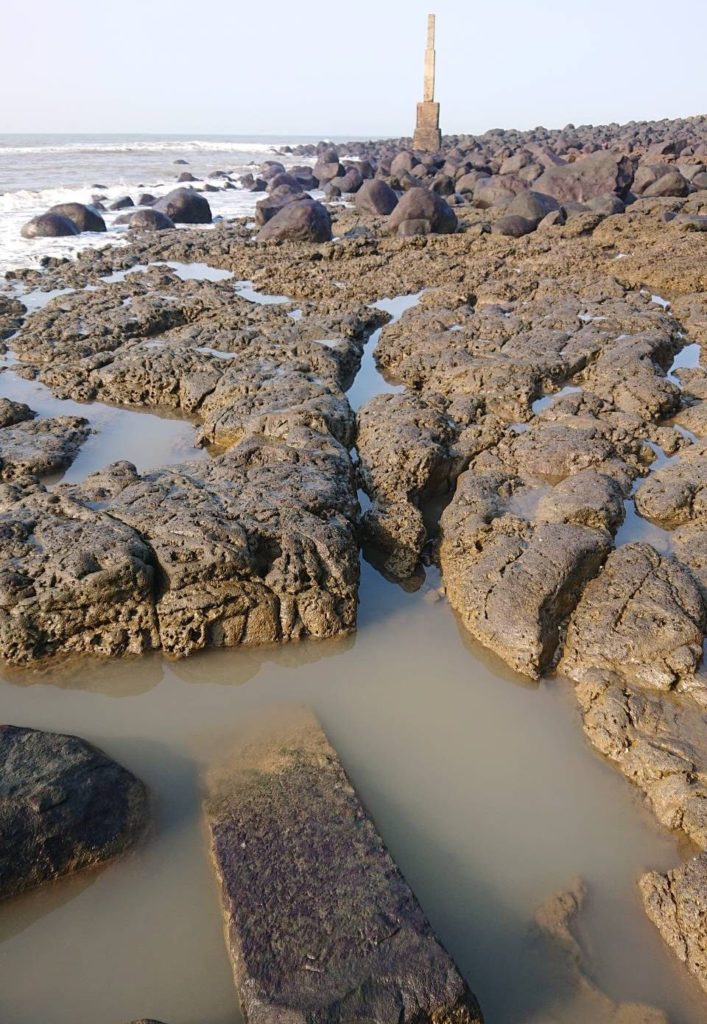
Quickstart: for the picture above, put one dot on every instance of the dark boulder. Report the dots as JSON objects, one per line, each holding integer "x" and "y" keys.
{"x": 427, "y": 211}
{"x": 349, "y": 182}
{"x": 186, "y": 176}
{"x": 598, "y": 174}
{"x": 376, "y": 197}
{"x": 49, "y": 225}
{"x": 532, "y": 206}
{"x": 185, "y": 206}
{"x": 270, "y": 168}
{"x": 146, "y": 199}
{"x": 265, "y": 209}
{"x": 325, "y": 170}
{"x": 121, "y": 204}
{"x": 64, "y": 806}
{"x": 149, "y": 220}
{"x": 84, "y": 217}
{"x": 304, "y": 220}
{"x": 284, "y": 179}
{"x": 606, "y": 205}
{"x": 403, "y": 161}
{"x": 671, "y": 183}
{"x": 514, "y": 226}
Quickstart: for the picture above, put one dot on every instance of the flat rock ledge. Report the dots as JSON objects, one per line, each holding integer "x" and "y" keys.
{"x": 64, "y": 806}
{"x": 677, "y": 905}
{"x": 320, "y": 924}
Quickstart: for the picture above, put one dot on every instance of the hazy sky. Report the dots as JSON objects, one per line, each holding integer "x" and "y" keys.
{"x": 276, "y": 66}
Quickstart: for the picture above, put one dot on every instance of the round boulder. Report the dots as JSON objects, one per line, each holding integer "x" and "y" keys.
{"x": 86, "y": 218}
{"x": 121, "y": 204}
{"x": 427, "y": 209}
{"x": 304, "y": 220}
{"x": 531, "y": 206}
{"x": 49, "y": 225}
{"x": 514, "y": 226}
{"x": 376, "y": 197}
{"x": 184, "y": 206}
{"x": 149, "y": 220}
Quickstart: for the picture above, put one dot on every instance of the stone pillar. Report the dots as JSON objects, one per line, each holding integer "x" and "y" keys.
{"x": 427, "y": 134}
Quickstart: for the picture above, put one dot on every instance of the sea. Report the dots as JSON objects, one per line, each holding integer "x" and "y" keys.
{"x": 37, "y": 171}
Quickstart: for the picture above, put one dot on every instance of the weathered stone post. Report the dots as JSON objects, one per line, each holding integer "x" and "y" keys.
{"x": 427, "y": 134}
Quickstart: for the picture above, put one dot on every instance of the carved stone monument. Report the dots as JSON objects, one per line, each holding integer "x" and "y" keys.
{"x": 427, "y": 134}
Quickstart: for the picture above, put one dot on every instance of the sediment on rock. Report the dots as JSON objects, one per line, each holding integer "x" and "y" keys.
{"x": 677, "y": 905}
{"x": 320, "y": 924}
{"x": 640, "y": 621}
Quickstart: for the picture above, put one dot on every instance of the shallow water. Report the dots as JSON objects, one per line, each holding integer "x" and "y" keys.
{"x": 481, "y": 784}
{"x": 482, "y": 787}
{"x": 369, "y": 380}
{"x": 143, "y": 438}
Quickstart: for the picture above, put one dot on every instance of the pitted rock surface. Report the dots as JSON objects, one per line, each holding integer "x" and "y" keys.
{"x": 320, "y": 924}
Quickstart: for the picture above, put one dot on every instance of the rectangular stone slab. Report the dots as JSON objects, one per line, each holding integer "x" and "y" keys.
{"x": 320, "y": 924}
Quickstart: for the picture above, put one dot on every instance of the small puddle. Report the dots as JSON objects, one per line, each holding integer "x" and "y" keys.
{"x": 636, "y": 528}
{"x": 146, "y": 439}
{"x": 542, "y": 403}
{"x": 687, "y": 359}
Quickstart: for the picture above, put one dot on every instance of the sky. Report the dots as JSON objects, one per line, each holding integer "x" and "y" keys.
{"x": 338, "y": 69}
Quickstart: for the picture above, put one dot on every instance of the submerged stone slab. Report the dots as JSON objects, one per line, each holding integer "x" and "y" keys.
{"x": 64, "y": 806}
{"x": 321, "y": 926}
{"x": 677, "y": 905}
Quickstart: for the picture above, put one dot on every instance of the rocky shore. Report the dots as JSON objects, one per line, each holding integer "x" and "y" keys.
{"x": 537, "y": 427}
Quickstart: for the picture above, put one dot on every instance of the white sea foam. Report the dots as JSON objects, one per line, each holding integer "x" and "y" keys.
{"x": 38, "y": 172}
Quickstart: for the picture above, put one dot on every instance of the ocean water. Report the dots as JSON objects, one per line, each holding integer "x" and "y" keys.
{"x": 38, "y": 171}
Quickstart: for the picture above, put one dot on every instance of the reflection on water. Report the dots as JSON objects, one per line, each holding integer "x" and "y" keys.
{"x": 143, "y": 438}
{"x": 483, "y": 789}
{"x": 369, "y": 380}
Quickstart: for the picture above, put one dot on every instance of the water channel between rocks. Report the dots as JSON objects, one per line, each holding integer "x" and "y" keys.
{"x": 481, "y": 784}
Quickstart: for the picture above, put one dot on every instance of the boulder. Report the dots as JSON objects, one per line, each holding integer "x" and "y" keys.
{"x": 84, "y": 217}
{"x": 606, "y": 205}
{"x": 186, "y": 176}
{"x": 265, "y": 209}
{"x": 64, "y": 806}
{"x": 598, "y": 174}
{"x": 149, "y": 220}
{"x": 146, "y": 199}
{"x": 514, "y": 227}
{"x": 302, "y": 221}
{"x": 376, "y": 197}
{"x": 121, "y": 204}
{"x": 49, "y": 225}
{"x": 351, "y": 181}
{"x": 320, "y": 924}
{"x": 185, "y": 206}
{"x": 426, "y": 211}
{"x": 532, "y": 206}
{"x": 284, "y": 179}
{"x": 671, "y": 183}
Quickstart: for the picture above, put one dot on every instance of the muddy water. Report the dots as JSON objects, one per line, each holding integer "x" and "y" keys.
{"x": 141, "y": 437}
{"x": 369, "y": 381}
{"x": 481, "y": 784}
{"x": 482, "y": 787}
